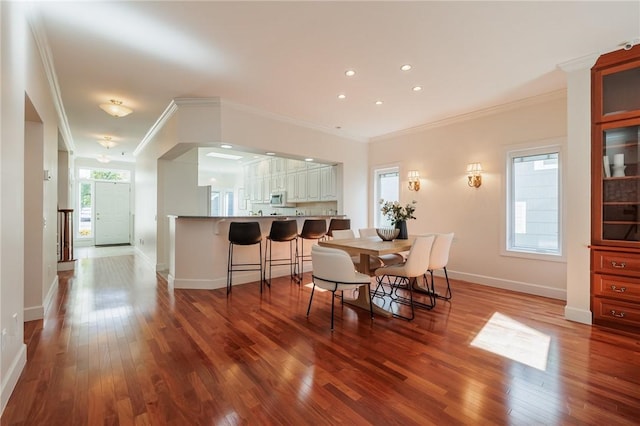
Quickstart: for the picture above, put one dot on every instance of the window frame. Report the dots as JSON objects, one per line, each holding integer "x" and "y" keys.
{"x": 537, "y": 148}
{"x": 377, "y": 172}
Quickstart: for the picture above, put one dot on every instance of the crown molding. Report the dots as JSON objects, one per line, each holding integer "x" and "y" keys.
{"x": 42, "y": 43}
{"x": 578, "y": 64}
{"x": 510, "y": 106}
{"x": 159, "y": 124}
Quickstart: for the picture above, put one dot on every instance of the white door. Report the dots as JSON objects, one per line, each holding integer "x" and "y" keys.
{"x": 112, "y": 213}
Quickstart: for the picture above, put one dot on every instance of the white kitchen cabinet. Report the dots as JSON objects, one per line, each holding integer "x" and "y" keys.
{"x": 329, "y": 183}
{"x": 313, "y": 184}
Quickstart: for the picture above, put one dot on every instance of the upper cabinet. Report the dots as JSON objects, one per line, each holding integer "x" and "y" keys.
{"x": 616, "y": 86}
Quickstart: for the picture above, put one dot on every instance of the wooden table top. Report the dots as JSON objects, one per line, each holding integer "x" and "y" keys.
{"x": 369, "y": 245}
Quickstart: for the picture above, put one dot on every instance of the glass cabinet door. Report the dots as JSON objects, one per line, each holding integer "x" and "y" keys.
{"x": 621, "y": 183}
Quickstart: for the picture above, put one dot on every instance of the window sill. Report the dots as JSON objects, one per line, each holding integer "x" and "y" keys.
{"x": 547, "y": 257}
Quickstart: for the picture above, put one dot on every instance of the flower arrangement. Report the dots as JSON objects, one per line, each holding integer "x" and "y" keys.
{"x": 396, "y": 213}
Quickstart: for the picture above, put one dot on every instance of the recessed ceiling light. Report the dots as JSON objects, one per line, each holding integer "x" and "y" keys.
{"x": 270, "y": 153}
{"x": 417, "y": 88}
{"x": 378, "y": 102}
{"x": 405, "y": 67}
{"x": 349, "y": 73}
{"x": 226, "y": 146}
{"x": 224, "y": 156}
{"x": 308, "y": 159}
{"x": 342, "y": 96}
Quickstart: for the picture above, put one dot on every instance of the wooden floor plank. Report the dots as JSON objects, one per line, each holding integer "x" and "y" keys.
{"x": 120, "y": 346}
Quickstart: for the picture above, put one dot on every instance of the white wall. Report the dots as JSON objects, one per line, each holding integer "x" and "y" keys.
{"x": 446, "y": 204}
{"x": 23, "y": 75}
{"x": 203, "y": 122}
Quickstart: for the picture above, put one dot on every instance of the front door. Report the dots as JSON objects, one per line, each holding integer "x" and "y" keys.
{"x": 112, "y": 213}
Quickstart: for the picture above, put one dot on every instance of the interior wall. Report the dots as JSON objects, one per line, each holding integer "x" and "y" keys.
{"x": 447, "y": 204}
{"x": 251, "y": 129}
{"x": 33, "y": 220}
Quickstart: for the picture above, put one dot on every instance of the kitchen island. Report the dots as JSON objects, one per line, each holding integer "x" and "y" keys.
{"x": 198, "y": 249}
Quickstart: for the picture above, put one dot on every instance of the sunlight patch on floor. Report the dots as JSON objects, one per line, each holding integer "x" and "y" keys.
{"x": 506, "y": 337}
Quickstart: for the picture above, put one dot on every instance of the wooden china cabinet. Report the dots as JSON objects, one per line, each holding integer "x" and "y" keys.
{"x": 615, "y": 198}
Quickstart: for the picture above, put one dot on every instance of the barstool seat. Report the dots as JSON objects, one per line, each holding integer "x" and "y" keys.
{"x": 243, "y": 234}
{"x": 312, "y": 229}
{"x": 281, "y": 231}
{"x": 336, "y": 224}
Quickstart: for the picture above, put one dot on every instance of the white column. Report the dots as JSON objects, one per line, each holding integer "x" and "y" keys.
{"x": 578, "y": 188}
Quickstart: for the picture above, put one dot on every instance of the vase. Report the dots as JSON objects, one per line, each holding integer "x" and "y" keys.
{"x": 402, "y": 226}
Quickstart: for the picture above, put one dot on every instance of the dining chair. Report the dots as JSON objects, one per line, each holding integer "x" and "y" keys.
{"x": 243, "y": 234}
{"x": 374, "y": 261}
{"x": 333, "y": 271}
{"x": 406, "y": 275}
{"x": 439, "y": 259}
{"x": 385, "y": 259}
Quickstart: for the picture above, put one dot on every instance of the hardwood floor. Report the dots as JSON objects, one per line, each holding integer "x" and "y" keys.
{"x": 121, "y": 348}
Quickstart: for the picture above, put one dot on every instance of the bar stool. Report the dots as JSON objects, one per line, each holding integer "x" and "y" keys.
{"x": 281, "y": 231}
{"x": 312, "y": 229}
{"x": 243, "y": 234}
{"x": 338, "y": 225}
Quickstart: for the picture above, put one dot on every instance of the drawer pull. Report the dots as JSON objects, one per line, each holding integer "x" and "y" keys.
{"x": 616, "y": 314}
{"x": 618, "y": 289}
{"x": 616, "y": 265}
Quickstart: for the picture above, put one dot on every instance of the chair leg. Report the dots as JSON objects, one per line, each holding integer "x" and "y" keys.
{"x": 333, "y": 298}
{"x": 311, "y": 298}
{"x": 260, "y": 262}
{"x": 448, "y": 293}
{"x": 230, "y": 269}
{"x": 370, "y": 299}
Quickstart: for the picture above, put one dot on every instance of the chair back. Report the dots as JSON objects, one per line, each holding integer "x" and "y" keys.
{"x": 418, "y": 258}
{"x": 338, "y": 224}
{"x": 343, "y": 234}
{"x": 314, "y": 229}
{"x": 332, "y": 265}
{"x": 440, "y": 251}
{"x": 367, "y": 232}
{"x": 245, "y": 233}
{"x": 283, "y": 230}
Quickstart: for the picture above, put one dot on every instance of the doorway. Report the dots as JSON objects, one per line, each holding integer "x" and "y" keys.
{"x": 112, "y": 213}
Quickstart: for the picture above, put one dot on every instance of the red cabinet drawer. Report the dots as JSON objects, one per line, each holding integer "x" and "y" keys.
{"x": 616, "y": 287}
{"x": 612, "y": 262}
{"x": 614, "y": 312}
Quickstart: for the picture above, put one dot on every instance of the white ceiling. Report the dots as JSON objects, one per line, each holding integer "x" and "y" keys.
{"x": 289, "y": 58}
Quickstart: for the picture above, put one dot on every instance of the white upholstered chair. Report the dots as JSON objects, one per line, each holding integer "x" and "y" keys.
{"x": 405, "y": 276}
{"x": 333, "y": 271}
{"x": 439, "y": 259}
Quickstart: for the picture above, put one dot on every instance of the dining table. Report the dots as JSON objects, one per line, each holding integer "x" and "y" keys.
{"x": 366, "y": 247}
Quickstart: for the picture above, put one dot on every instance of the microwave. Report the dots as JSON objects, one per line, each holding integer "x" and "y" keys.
{"x": 279, "y": 199}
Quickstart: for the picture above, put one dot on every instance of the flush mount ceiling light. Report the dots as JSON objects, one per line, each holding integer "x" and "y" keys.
{"x": 417, "y": 88}
{"x": 116, "y": 109}
{"x": 349, "y": 73}
{"x": 107, "y": 142}
{"x": 224, "y": 156}
{"x": 378, "y": 102}
{"x": 405, "y": 67}
{"x": 103, "y": 158}
{"x": 308, "y": 159}
{"x": 342, "y": 96}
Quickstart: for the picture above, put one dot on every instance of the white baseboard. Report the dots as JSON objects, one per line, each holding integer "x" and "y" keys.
{"x": 33, "y": 313}
{"x": 145, "y": 258}
{"x": 578, "y": 315}
{"x": 521, "y": 287}
{"x": 10, "y": 379}
{"x": 197, "y": 284}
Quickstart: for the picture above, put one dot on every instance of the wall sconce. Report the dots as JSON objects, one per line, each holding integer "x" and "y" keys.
{"x": 414, "y": 180}
{"x": 116, "y": 109}
{"x": 474, "y": 172}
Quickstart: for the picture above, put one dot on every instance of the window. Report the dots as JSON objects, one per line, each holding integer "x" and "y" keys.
{"x": 387, "y": 187}
{"x": 534, "y": 201}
